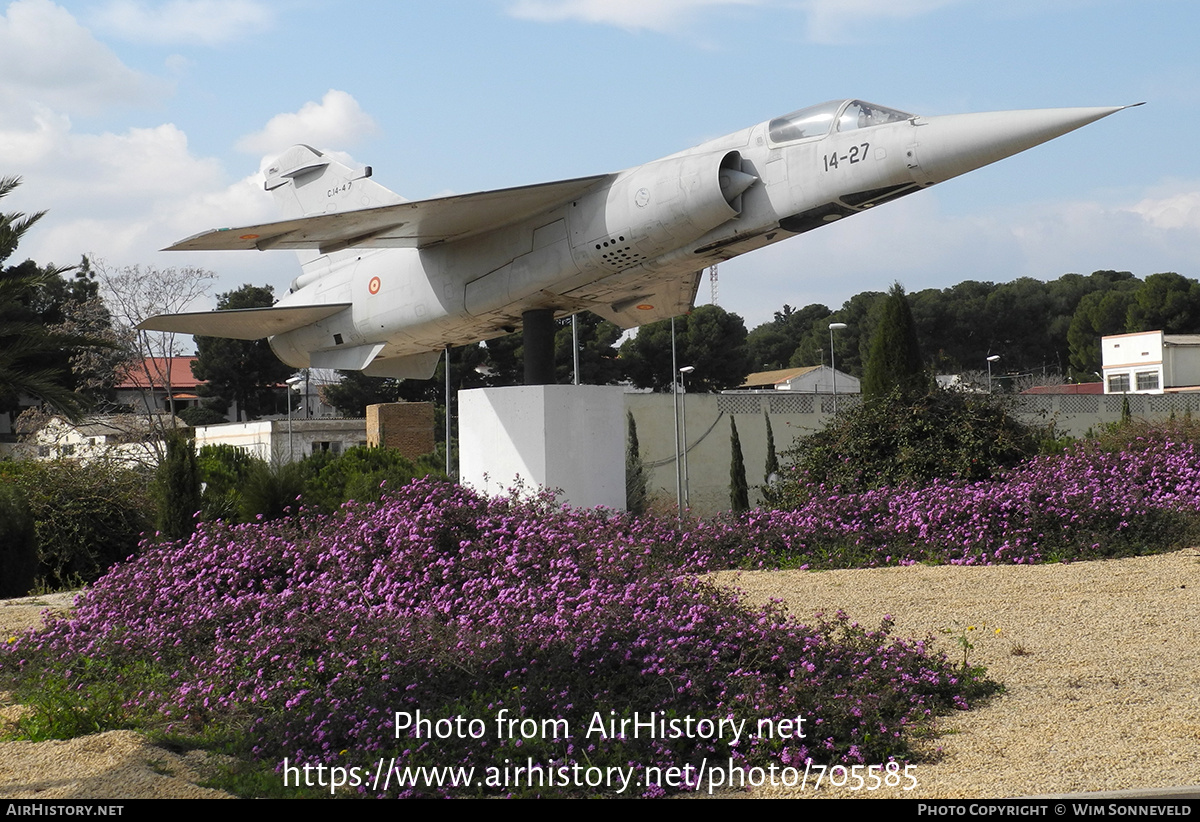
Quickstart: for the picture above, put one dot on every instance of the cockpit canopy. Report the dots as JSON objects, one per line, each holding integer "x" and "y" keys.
{"x": 816, "y": 121}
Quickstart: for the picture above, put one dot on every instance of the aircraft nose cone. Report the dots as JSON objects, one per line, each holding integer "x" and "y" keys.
{"x": 954, "y": 144}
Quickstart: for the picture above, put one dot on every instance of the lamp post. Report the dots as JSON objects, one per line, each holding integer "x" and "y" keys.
{"x": 292, "y": 382}
{"x": 990, "y": 360}
{"x": 687, "y": 495}
{"x": 832, "y": 363}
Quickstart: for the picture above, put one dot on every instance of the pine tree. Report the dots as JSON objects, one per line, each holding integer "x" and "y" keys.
{"x": 739, "y": 490}
{"x": 895, "y": 360}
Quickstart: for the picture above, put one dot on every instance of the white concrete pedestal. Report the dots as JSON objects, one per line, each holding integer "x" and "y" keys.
{"x": 568, "y": 437}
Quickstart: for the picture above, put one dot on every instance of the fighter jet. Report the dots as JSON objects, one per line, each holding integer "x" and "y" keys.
{"x": 386, "y": 285}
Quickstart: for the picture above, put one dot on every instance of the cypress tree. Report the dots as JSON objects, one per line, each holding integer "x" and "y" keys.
{"x": 178, "y": 487}
{"x": 772, "y": 466}
{"x": 635, "y": 472}
{"x": 895, "y": 362}
{"x": 739, "y": 490}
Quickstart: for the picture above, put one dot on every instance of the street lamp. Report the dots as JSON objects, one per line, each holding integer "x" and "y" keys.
{"x": 292, "y": 382}
{"x": 832, "y": 364}
{"x": 687, "y": 496}
{"x": 990, "y": 360}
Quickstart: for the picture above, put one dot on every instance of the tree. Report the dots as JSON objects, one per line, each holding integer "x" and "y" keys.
{"x": 598, "y": 363}
{"x": 771, "y": 468}
{"x": 1098, "y": 314}
{"x": 46, "y": 324}
{"x": 177, "y": 487}
{"x": 355, "y": 391}
{"x": 860, "y": 314}
{"x": 635, "y": 471}
{"x": 1165, "y": 302}
{"x": 242, "y": 372}
{"x": 135, "y": 294}
{"x": 13, "y": 225}
{"x": 709, "y": 338}
{"x": 773, "y": 345}
{"x": 739, "y": 489}
{"x": 895, "y": 361}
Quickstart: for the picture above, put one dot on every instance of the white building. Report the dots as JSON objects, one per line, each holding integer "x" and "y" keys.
{"x": 283, "y": 440}
{"x": 125, "y": 438}
{"x": 1150, "y": 362}
{"x": 812, "y": 379}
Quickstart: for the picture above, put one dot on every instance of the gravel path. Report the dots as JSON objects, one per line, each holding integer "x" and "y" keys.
{"x": 1101, "y": 661}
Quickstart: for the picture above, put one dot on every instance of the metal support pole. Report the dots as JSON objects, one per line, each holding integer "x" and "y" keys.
{"x": 448, "y": 471}
{"x": 675, "y": 394}
{"x": 687, "y": 491}
{"x": 575, "y": 344}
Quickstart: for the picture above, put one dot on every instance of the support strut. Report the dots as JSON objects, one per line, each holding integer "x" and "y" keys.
{"x": 538, "y": 339}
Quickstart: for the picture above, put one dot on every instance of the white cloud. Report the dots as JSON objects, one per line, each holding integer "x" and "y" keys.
{"x": 121, "y": 195}
{"x": 336, "y": 121}
{"x": 829, "y": 21}
{"x": 658, "y": 15}
{"x": 48, "y": 59}
{"x": 1177, "y": 210}
{"x": 208, "y": 22}
{"x": 834, "y": 21}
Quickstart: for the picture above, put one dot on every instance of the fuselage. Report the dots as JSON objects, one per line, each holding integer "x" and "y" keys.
{"x": 631, "y": 247}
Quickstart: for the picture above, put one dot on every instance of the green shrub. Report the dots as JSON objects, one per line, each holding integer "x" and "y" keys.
{"x": 86, "y": 516}
{"x": 18, "y": 546}
{"x": 224, "y": 470}
{"x": 361, "y": 474}
{"x": 890, "y": 440}
{"x": 1135, "y": 434}
{"x": 271, "y": 491}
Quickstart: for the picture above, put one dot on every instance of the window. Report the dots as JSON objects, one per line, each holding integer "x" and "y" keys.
{"x": 814, "y": 121}
{"x": 1147, "y": 381}
{"x": 1118, "y": 384}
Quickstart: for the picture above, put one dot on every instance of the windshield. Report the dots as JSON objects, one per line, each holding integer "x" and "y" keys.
{"x": 816, "y": 121}
{"x": 864, "y": 115}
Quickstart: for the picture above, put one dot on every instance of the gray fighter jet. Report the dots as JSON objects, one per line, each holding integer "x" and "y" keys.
{"x": 386, "y": 284}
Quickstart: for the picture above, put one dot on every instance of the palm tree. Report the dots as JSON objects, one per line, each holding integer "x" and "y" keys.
{"x": 32, "y": 356}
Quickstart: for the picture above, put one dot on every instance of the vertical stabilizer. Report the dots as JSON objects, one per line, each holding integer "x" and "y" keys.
{"x": 305, "y": 182}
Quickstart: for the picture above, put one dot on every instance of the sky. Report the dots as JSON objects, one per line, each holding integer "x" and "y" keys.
{"x": 136, "y": 123}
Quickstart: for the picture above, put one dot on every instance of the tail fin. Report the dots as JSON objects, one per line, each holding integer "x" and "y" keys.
{"x": 306, "y": 182}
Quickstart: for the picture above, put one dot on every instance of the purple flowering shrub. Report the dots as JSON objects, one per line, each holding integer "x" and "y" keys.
{"x": 1086, "y": 503}
{"x": 302, "y": 639}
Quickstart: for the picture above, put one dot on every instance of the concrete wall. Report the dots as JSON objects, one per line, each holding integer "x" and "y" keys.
{"x": 797, "y": 415}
